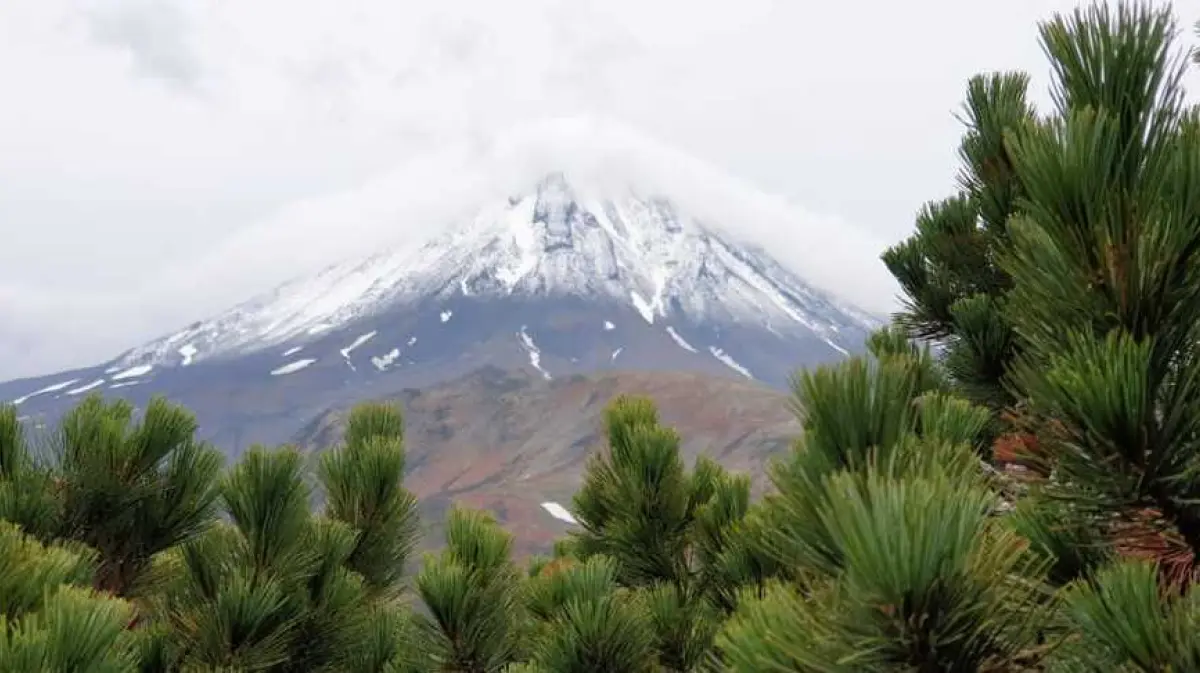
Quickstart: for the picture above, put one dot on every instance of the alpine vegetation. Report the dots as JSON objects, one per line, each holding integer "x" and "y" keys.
{"x": 1007, "y": 480}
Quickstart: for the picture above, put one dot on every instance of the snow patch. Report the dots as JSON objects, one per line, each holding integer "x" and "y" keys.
{"x": 835, "y": 347}
{"x": 85, "y": 388}
{"x": 386, "y": 360}
{"x": 292, "y": 367}
{"x": 188, "y": 352}
{"x": 616, "y": 353}
{"x": 608, "y": 326}
{"x": 133, "y": 372}
{"x": 48, "y": 389}
{"x": 446, "y": 315}
{"x": 412, "y": 340}
{"x": 680, "y": 340}
{"x": 535, "y": 354}
{"x": 362, "y": 339}
{"x": 112, "y": 370}
{"x": 642, "y": 306}
{"x": 559, "y": 512}
{"x": 319, "y": 327}
{"x": 123, "y": 385}
{"x": 292, "y": 351}
{"x": 729, "y": 361}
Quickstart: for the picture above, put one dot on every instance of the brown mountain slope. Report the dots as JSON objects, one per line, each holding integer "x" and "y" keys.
{"x": 508, "y": 441}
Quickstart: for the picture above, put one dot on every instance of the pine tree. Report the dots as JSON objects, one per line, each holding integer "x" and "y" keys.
{"x": 585, "y": 621}
{"x": 278, "y": 588}
{"x": 676, "y": 537}
{"x": 949, "y": 269}
{"x": 267, "y": 591}
{"x": 50, "y": 617}
{"x": 1097, "y": 317}
{"x": 363, "y": 483}
{"x": 472, "y": 591}
{"x": 1052, "y": 320}
{"x": 883, "y": 517}
{"x": 126, "y": 489}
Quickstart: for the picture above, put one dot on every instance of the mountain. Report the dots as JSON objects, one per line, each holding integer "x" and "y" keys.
{"x": 516, "y": 443}
{"x": 565, "y": 277}
{"x": 638, "y": 254}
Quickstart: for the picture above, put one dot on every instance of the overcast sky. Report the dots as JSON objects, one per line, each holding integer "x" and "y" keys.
{"x": 140, "y": 136}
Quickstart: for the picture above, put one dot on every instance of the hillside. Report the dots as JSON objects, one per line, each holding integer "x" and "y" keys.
{"x": 508, "y": 441}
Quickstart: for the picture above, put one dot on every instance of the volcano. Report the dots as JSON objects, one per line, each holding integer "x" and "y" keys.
{"x": 564, "y": 276}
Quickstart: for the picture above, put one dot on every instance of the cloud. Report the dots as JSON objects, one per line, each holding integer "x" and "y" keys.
{"x": 143, "y": 142}
{"x": 155, "y": 33}
{"x": 411, "y": 204}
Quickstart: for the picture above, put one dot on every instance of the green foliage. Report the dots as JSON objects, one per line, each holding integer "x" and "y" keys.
{"x": 1127, "y": 623}
{"x": 1105, "y": 258}
{"x": 953, "y": 284}
{"x": 925, "y": 583}
{"x": 637, "y": 500}
{"x": 50, "y": 619}
{"x": 586, "y": 622}
{"x": 675, "y": 536}
{"x": 1060, "y": 290}
{"x": 270, "y": 589}
{"x": 1091, "y": 217}
{"x": 1068, "y": 538}
{"x": 130, "y": 490}
{"x": 26, "y": 496}
{"x": 884, "y": 519}
{"x": 472, "y": 591}
{"x": 364, "y": 488}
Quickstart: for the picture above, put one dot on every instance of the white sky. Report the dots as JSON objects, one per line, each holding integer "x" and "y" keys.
{"x": 141, "y": 139}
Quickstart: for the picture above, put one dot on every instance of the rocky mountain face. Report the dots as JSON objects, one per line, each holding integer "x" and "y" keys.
{"x": 516, "y": 443}
{"x": 561, "y": 279}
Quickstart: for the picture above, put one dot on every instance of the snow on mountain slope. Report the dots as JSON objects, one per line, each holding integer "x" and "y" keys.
{"x": 559, "y": 238}
{"x": 426, "y": 194}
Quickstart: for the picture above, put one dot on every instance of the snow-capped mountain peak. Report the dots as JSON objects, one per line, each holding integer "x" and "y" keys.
{"x": 562, "y": 237}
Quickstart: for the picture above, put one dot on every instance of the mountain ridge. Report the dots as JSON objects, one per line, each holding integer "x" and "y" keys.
{"x": 557, "y": 240}
{"x": 562, "y": 278}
